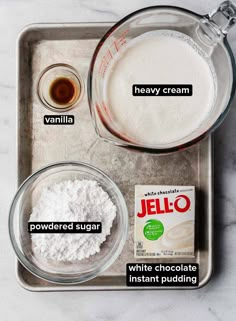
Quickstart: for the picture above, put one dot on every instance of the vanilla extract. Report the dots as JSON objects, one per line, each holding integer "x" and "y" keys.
{"x": 59, "y": 120}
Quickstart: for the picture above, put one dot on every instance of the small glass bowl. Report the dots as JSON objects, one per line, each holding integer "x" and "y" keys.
{"x": 26, "y": 198}
{"x": 48, "y": 76}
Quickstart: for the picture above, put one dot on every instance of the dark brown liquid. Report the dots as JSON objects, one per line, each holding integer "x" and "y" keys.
{"x": 64, "y": 91}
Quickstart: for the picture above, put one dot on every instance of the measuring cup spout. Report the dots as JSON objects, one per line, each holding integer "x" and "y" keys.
{"x": 214, "y": 26}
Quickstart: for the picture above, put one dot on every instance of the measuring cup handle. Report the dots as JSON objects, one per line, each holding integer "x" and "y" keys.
{"x": 218, "y": 23}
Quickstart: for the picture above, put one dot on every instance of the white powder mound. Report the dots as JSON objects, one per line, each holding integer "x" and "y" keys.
{"x": 72, "y": 201}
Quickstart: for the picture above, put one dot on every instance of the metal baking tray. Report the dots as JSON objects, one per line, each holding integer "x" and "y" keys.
{"x": 41, "y": 45}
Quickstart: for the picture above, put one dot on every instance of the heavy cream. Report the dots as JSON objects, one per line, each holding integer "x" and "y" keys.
{"x": 164, "y": 221}
{"x": 159, "y": 57}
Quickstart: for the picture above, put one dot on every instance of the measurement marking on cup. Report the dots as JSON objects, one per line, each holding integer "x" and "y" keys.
{"x": 111, "y": 51}
{"x": 162, "y": 90}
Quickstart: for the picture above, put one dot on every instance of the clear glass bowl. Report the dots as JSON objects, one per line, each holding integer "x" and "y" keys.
{"x": 50, "y": 75}
{"x": 208, "y": 32}
{"x": 27, "y": 196}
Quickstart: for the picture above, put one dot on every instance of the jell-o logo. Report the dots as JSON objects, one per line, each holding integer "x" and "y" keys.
{"x": 153, "y": 206}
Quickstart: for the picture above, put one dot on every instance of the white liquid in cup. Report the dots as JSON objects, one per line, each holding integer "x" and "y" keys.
{"x": 160, "y": 57}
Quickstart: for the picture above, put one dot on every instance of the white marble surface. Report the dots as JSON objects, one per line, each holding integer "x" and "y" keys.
{"x": 214, "y": 302}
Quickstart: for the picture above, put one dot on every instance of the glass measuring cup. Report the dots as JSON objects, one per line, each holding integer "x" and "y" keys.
{"x": 209, "y": 32}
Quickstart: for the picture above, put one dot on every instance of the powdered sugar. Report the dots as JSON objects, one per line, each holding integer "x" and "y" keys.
{"x": 73, "y": 201}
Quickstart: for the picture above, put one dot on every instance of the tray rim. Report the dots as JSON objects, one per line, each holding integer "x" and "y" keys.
{"x": 77, "y": 287}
